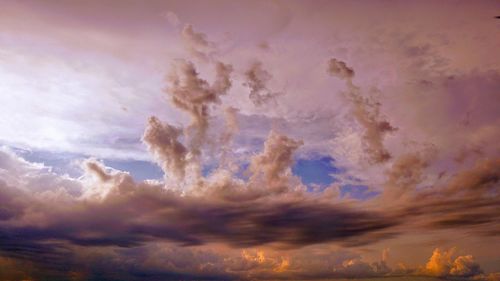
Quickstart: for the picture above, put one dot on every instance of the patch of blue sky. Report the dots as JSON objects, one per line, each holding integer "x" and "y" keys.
{"x": 60, "y": 163}
{"x": 317, "y": 171}
{"x": 206, "y": 170}
{"x": 242, "y": 171}
{"x": 139, "y": 170}
{"x": 64, "y": 163}
{"x": 314, "y": 172}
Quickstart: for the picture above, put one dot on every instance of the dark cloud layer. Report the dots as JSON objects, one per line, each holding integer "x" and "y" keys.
{"x": 115, "y": 212}
{"x": 471, "y": 198}
{"x": 136, "y": 213}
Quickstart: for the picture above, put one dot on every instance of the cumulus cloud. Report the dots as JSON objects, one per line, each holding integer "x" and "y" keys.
{"x": 162, "y": 141}
{"x": 257, "y": 79}
{"x": 195, "y": 95}
{"x": 97, "y": 169}
{"x": 366, "y": 111}
{"x": 445, "y": 264}
{"x": 273, "y": 164}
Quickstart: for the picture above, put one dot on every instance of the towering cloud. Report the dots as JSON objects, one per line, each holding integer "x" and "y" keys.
{"x": 366, "y": 111}
{"x": 162, "y": 141}
{"x": 194, "y": 95}
{"x": 273, "y": 164}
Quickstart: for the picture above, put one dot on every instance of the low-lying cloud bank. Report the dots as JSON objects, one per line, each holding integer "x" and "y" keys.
{"x": 47, "y": 221}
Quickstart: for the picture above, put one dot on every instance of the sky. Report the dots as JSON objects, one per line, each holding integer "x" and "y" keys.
{"x": 249, "y": 140}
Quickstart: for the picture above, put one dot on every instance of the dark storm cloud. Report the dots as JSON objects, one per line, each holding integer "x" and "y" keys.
{"x": 130, "y": 215}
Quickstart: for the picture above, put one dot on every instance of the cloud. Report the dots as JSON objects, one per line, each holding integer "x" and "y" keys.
{"x": 366, "y": 112}
{"x": 257, "y": 78}
{"x": 483, "y": 177}
{"x": 128, "y": 214}
{"x": 232, "y": 127}
{"x": 194, "y": 95}
{"x": 469, "y": 198}
{"x": 197, "y": 43}
{"x": 162, "y": 141}
{"x": 340, "y": 69}
{"x": 444, "y": 264}
{"x": 207, "y": 219}
{"x": 495, "y": 276}
{"x": 273, "y": 164}
{"x": 68, "y": 230}
{"x": 272, "y": 206}
{"x": 98, "y": 169}
{"x": 406, "y": 172}
{"x": 354, "y": 268}
{"x": 172, "y": 18}
{"x": 226, "y": 138}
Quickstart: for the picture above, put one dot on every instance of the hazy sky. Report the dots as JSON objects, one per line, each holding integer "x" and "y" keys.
{"x": 249, "y": 140}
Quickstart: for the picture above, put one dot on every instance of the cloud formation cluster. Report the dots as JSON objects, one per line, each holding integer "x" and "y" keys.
{"x": 243, "y": 214}
{"x": 108, "y": 208}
